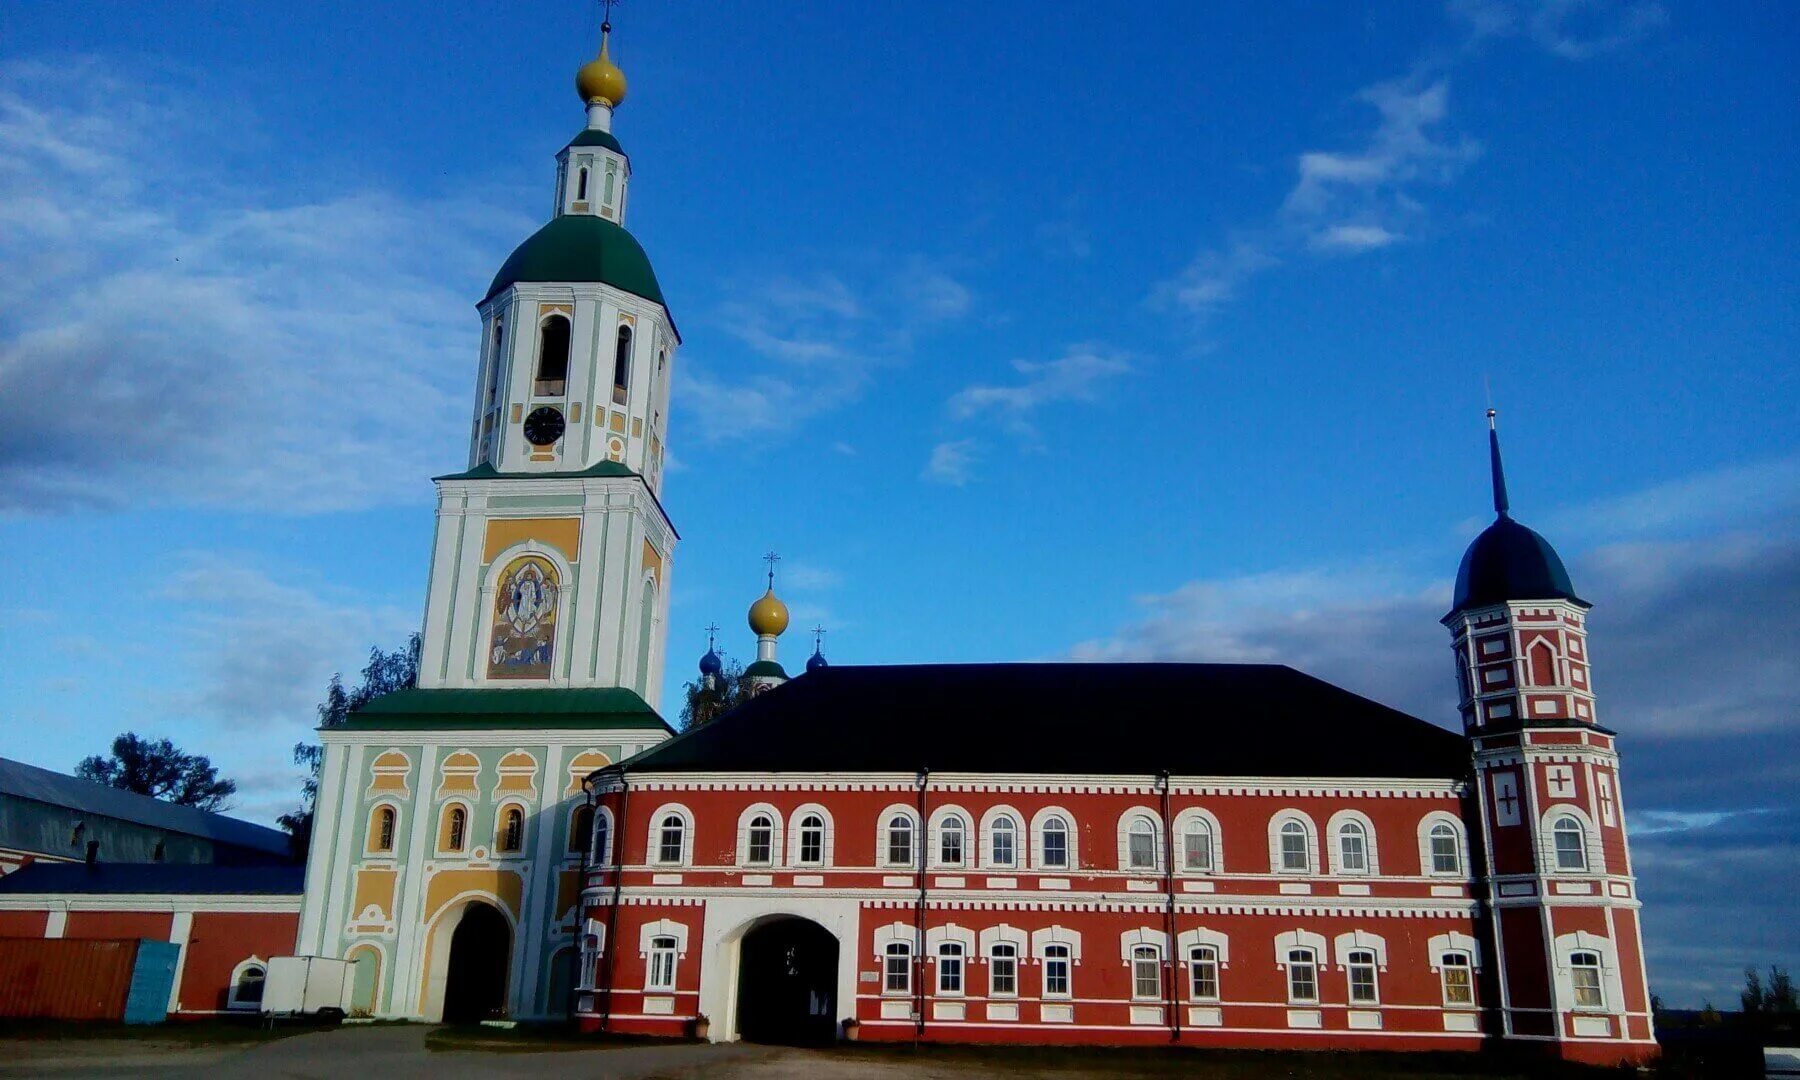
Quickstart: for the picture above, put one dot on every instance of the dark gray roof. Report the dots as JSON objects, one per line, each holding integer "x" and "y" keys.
{"x": 30, "y": 782}
{"x": 140, "y": 879}
{"x": 1234, "y": 720}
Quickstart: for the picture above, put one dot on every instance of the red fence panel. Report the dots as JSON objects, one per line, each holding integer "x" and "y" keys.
{"x": 64, "y": 979}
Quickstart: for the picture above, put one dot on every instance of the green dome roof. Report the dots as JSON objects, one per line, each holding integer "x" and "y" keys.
{"x": 577, "y": 247}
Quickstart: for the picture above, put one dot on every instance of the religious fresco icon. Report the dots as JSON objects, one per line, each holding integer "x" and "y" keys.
{"x": 524, "y": 620}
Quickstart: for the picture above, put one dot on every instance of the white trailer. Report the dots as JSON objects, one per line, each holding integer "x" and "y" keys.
{"x": 307, "y": 986}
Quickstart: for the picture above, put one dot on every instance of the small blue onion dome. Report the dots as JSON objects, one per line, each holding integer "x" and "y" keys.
{"x": 710, "y": 664}
{"x": 817, "y": 661}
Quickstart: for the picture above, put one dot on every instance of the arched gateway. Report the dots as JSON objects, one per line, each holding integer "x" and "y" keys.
{"x": 475, "y": 976}
{"x": 787, "y": 982}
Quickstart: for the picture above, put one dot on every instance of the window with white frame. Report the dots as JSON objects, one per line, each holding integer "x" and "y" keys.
{"x": 671, "y": 837}
{"x": 663, "y": 953}
{"x": 1203, "y": 973}
{"x": 896, "y": 968}
{"x": 1056, "y": 966}
{"x": 1363, "y": 987}
{"x": 247, "y": 985}
{"x": 900, "y": 840}
{"x": 1303, "y": 975}
{"x": 1197, "y": 846}
{"x": 759, "y": 849}
{"x": 1146, "y": 973}
{"x": 1458, "y": 976}
{"x": 1584, "y": 978}
{"x": 456, "y": 828}
{"x": 602, "y": 839}
{"x": 1446, "y": 849}
{"x": 1571, "y": 843}
{"x": 1056, "y": 843}
{"x": 1353, "y": 848}
{"x": 952, "y": 837}
{"x": 1296, "y": 854}
{"x": 588, "y": 960}
{"x": 1140, "y": 844}
{"x": 512, "y": 829}
{"x": 950, "y": 969}
{"x": 812, "y": 840}
{"x": 1003, "y": 970}
{"x": 1003, "y": 840}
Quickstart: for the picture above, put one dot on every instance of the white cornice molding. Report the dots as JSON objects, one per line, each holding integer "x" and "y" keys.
{"x": 1051, "y": 784}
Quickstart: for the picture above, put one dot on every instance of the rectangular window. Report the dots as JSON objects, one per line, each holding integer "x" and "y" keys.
{"x": 762, "y": 842}
{"x": 1003, "y": 971}
{"x": 662, "y": 964}
{"x": 1303, "y": 976}
{"x": 1459, "y": 982}
{"x": 1584, "y": 975}
{"x": 1142, "y": 850}
{"x": 1056, "y": 845}
{"x": 1146, "y": 974}
{"x": 1294, "y": 855}
{"x": 1056, "y": 971}
{"x": 1196, "y": 849}
{"x": 950, "y": 969}
{"x": 1000, "y": 846}
{"x": 950, "y": 846}
{"x": 1362, "y": 978}
{"x": 897, "y": 970}
{"x": 1203, "y": 974}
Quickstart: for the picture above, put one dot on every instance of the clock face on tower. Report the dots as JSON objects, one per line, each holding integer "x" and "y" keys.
{"x": 544, "y": 426}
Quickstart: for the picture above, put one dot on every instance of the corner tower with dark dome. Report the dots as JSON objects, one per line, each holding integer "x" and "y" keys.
{"x": 553, "y": 551}
{"x": 1561, "y": 900}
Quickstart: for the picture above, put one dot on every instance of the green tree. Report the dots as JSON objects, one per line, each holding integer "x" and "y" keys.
{"x": 1776, "y": 998}
{"x": 701, "y": 704}
{"x": 161, "y": 770}
{"x": 385, "y": 673}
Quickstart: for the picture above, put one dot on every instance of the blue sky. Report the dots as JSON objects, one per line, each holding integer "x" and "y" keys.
{"x": 1023, "y": 331}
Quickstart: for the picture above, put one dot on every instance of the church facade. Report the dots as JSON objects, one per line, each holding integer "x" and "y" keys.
{"x": 1196, "y": 854}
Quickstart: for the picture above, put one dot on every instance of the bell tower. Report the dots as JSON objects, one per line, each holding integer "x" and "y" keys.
{"x": 1561, "y": 899}
{"x": 553, "y": 553}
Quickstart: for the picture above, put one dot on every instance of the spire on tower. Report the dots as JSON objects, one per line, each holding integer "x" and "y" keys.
{"x": 1500, "y": 503}
{"x": 600, "y": 82}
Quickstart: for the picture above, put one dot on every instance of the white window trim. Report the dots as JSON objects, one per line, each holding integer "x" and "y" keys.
{"x": 828, "y": 841}
{"x": 1200, "y": 935}
{"x": 1590, "y": 839}
{"x": 881, "y": 836}
{"x": 1159, "y": 956}
{"x": 1431, "y": 821}
{"x": 647, "y": 934}
{"x": 1142, "y": 935}
{"x": 369, "y": 831}
{"x": 776, "y": 835}
{"x": 1021, "y": 946}
{"x": 1158, "y": 849}
{"x": 1280, "y": 818}
{"x": 1021, "y": 839}
{"x": 881, "y": 956}
{"x": 231, "y": 996}
{"x": 1178, "y": 846}
{"x": 1290, "y": 941}
{"x": 524, "y": 849}
{"x": 936, "y": 938}
{"x": 443, "y": 830}
{"x": 1056, "y": 935}
{"x": 587, "y": 961}
{"x": 1037, "y": 841}
{"x": 904, "y": 933}
{"x": 1612, "y": 987}
{"x": 1371, "y": 851}
{"x": 935, "y": 852}
{"x": 1454, "y": 941}
{"x": 653, "y": 852}
{"x": 595, "y": 856}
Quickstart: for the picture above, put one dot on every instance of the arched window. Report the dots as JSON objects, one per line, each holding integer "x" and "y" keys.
{"x": 609, "y": 187}
{"x": 900, "y": 840}
{"x": 383, "y": 838}
{"x": 495, "y": 363}
{"x": 1303, "y": 976}
{"x": 1196, "y": 846}
{"x": 456, "y": 828}
{"x": 1446, "y": 853}
{"x": 812, "y": 840}
{"x": 247, "y": 986}
{"x": 512, "y": 829}
{"x": 601, "y": 850}
{"x": 1146, "y": 973}
{"x": 1056, "y": 843}
{"x": 1584, "y": 977}
{"x": 1003, "y": 843}
{"x": 1295, "y": 858}
{"x": 1140, "y": 844}
{"x": 1353, "y": 848}
{"x": 622, "y": 365}
{"x": 553, "y": 357}
{"x": 670, "y": 835}
{"x": 581, "y": 829}
{"x": 581, "y": 184}
{"x": 951, "y": 835}
{"x": 588, "y": 972}
{"x": 1571, "y": 843}
{"x": 761, "y": 847}
{"x": 897, "y": 968}
{"x": 663, "y": 952}
{"x": 1203, "y": 973}
{"x": 1363, "y": 990}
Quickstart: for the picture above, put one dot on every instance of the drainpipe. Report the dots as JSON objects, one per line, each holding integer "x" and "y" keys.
{"x": 1162, "y": 780}
{"x": 919, "y": 916}
{"x": 591, "y": 798}
{"x": 617, "y": 839}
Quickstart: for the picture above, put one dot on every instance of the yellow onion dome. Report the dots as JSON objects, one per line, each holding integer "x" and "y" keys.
{"x": 600, "y": 79}
{"x": 768, "y": 616}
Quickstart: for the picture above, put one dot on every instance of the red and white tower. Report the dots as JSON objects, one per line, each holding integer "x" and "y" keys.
{"x": 1561, "y": 901}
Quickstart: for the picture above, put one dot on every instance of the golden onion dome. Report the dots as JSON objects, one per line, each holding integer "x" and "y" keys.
{"x": 600, "y": 79}
{"x": 769, "y": 615}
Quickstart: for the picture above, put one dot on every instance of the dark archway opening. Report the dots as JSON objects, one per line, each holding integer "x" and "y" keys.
{"x": 475, "y": 981}
{"x": 787, "y": 984}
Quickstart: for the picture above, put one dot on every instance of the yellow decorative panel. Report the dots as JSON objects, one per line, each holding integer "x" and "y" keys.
{"x": 575, "y": 413}
{"x": 563, "y": 534}
{"x": 617, "y": 422}
{"x": 374, "y": 903}
{"x": 458, "y": 774}
{"x": 390, "y": 770}
{"x": 518, "y": 411}
{"x": 546, "y": 309}
{"x": 580, "y": 766}
{"x": 503, "y": 885}
{"x": 652, "y": 561}
{"x": 518, "y": 775}
{"x": 637, "y": 427}
{"x": 568, "y": 897}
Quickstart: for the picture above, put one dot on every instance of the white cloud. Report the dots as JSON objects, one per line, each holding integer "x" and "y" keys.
{"x": 1074, "y": 376}
{"x": 951, "y": 462}
{"x": 1583, "y": 29}
{"x": 174, "y": 336}
{"x": 1352, "y": 238}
